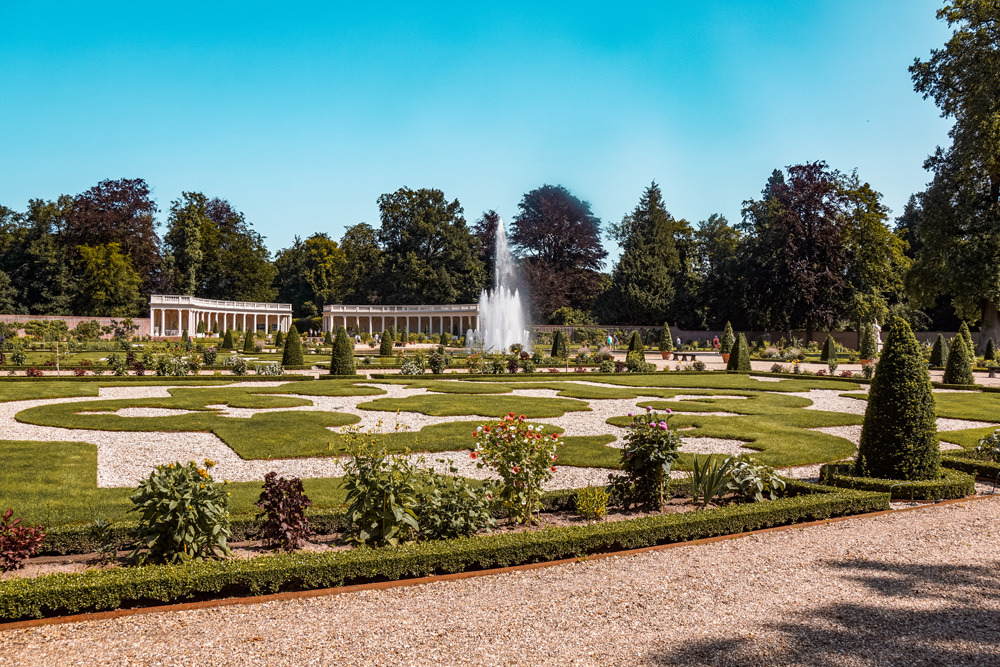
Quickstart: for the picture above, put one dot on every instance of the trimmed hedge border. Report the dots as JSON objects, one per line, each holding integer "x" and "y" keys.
{"x": 156, "y": 378}
{"x": 99, "y": 590}
{"x": 952, "y": 484}
{"x": 965, "y": 463}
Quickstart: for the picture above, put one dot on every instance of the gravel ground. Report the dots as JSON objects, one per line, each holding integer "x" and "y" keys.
{"x": 908, "y": 588}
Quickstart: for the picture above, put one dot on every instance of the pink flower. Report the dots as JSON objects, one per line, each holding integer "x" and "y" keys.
{"x": 649, "y": 408}
{"x": 516, "y": 469}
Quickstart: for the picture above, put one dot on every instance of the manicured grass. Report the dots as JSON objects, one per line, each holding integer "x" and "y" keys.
{"x": 55, "y": 483}
{"x": 709, "y": 380}
{"x": 972, "y": 405}
{"x": 440, "y": 405}
{"x": 321, "y": 388}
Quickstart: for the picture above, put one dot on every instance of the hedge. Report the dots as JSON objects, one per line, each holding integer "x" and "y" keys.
{"x": 108, "y": 377}
{"x": 97, "y": 590}
{"x": 952, "y": 483}
{"x": 963, "y": 461}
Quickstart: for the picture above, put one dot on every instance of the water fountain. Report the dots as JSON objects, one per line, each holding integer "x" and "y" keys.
{"x": 503, "y": 313}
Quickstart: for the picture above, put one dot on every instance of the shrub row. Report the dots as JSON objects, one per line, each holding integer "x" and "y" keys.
{"x": 963, "y": 461}
{"x": 97, "y": 590}
{"x": 952, "y": 483}
{"x": 108, "y": 377}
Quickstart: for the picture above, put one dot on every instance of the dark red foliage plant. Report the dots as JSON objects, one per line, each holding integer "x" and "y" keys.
{"x": 283, "y": 506}
{"x": 17, "y": 542}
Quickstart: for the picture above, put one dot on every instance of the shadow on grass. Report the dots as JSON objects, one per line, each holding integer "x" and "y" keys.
{"x": 892, "y": 627}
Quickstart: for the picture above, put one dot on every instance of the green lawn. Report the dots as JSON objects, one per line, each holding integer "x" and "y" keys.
{"x": 454, "y": 405}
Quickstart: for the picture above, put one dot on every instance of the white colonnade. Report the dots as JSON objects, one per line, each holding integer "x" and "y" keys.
{"x": 455, "y": 319}
{"x": 171, "y": 315}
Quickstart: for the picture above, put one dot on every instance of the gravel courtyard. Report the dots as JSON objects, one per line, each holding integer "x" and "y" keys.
{"x": 910, "y": 588}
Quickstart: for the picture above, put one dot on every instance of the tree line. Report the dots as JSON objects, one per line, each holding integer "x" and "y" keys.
{"x": 815, "y": 250}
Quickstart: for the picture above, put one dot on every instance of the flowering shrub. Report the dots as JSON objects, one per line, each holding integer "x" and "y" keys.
{"x": 451, "y": 506}
{"x": 210, "y": 355}
{"x": 18, "y": 357}
{"x": 268, "y": 369}
{"x": 592, "y": 502}
{"x": 36, "y": 373}
{"x": 650, "y": 451}
{"x": 475, "y": 363}
{"x": 238, "y": 365}
{"x": 523, "y": 455}
{"x": 846, "y": 374}
{"x": 439, "y": 360}
{"x": 183, "y": 515}
{"x": 988, "y": 448}
{"x": 411, "y": 366}
{"x": 17, "y": 542}
{"x": 79, "y": 372}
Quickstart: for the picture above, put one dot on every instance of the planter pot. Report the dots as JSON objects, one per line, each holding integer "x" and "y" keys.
{"x": 665, "y": 354}
{"x": 865, "y": 361}
{"x": 725, "y": 357}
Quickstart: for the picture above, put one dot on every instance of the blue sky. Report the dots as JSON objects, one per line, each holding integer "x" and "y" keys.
{"x": 301, "y": 114}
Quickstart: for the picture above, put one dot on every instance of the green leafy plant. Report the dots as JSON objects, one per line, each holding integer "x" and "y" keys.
{"x": 210, "y": 355}
{"x": 635, "y": 362}
{"x": 411, "y": 366}
{"x": 450, "y": 506}
{"x": 103, "y": 536}
{"x": 524, "y": 457}
{"x": 279, "y": 337}
{"x": 649, "y": 453}
{"x": 183, "y": 515}
{"x": 439, "y": 360}
{"x": 709, "y": 478}
{"x": 751, "y": 480}
{"x": 248, "y": 341}
{"x": 283, "y": 504}
{"x": 17, "y": 542}
{"x": 990, "y": 353}
{"x": 988, "y": 448}
{"x": 592, "y": 502}
{"x": 963, "y": 331}
{"x": 227, "y": 340}
{"x": 635, "y": 343}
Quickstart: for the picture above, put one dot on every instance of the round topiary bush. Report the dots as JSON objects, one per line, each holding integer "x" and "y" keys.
{"x": 727, "y": 340}
{"x": 292, "y": 354}
{"x": 939, "y": 353}
{"x": 899, "y": 436}
{"x": 967, "y": 337}
{"x": 227, "y": 341}
{"x": 342, "y": 360}
{"x": 385, "y": 346}
{"x": 559, "y": 345}
{"x": 739, "y": 356}
{"x": 958, "y": 369}
{"x": 829, "y": 349}
{"x": 666, "y": 342}
{"x": 869, "y": 345}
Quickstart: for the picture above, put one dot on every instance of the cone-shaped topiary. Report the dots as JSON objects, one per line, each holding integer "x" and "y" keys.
{"x": 328, "y": 339}
{"x": 739, "y": 356}
{"x": 958, "y": 370}
{"x": 215, "y": 327}
{"x": 184, "y": 336}
{"x": 635, "y": 342}
{"x": 292, "y": 354}
{"x": 342, "y": 361}
{"x": 248, "y": 341}
{"x": 279, "y": 337}
{"x": 899, "y": 436}
{"x": 869, "y": 345}
{"x": 385, "y": 347}
{"x": 559, "y": 345}
{"x": 829, "y": 349}
{"x": 939, "y": 353}
{"x": 991, "y": 351}
{"x": 666, "y": 342}
{"x": 727, "y": 340}
{"x": 227, "y": 341}
{"x": 967, "y": 336}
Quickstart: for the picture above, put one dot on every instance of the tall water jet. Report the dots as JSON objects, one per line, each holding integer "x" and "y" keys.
{"x": 503, "y": 314}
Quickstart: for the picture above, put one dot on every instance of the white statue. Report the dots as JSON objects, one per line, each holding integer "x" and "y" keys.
{"x": 877, "y": 330}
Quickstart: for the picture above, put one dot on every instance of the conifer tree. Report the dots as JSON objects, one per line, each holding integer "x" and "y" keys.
{"x": 829, "y": 349}
{"x": 739, "y": 356}
{"x": 248, "y": 341}
{"x": 991, "y": 352}
{"x": 292, "y": 354}
{"x": 899, "y": 435}
{"x": 328, "y": 339}
{"x": 727, "y": 340}
{"x": 939, "y": 353}
{"x": 385, "y": 347}
{"x": 279, "y": 337}
{"x": 967, "y": 336}
{"x": 869, "y": 346}
{"x": 559, "y": 350}
{"x": 666, "y": 341}
{"x": 958, "y": 369}
{"x": 635, "y": 342}
{"x": 342, "y": 360}
{"x": 227, "y": 340}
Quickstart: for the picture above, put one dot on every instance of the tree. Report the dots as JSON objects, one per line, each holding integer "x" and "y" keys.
{"x": 109, "y": 286}
{"x": 939, "y": 353}
{"x": 959, "y": 225}
{"x": 279, "y": 338}
{"x": 118, "y": 211}
{"x": 227, "y": 340}
{"x": 328, "y": 338}
{"x": 899, "y": 434}
{"x": 363, "y": 263}
{"x": 559, "y": 350}
{"x": 8, "y": 295}
{"x": 666, "y": 343}
{"x": 717, "y": 246}
{"x": 966, "y": 335}
{"x": 342, "y": 360}
{"x": 958, "y": 369}
{"x": 990, "y": 354}
{"x": 727, "y": 340}
{"x": 739, "y": 357}
{"x": 292, "y": 354}
{"x": 309, "y": 275}
{"x": 33, "y": 255}
{"x": 248, "y": 341}
{"x": 569, "y": 316}
{"x": 559, "y": 240}
{"x": 429, "y": 254}
{"x": 635, "y": 343}
{"x": 642, "y": 283}
{"x": 829, "y": 349}
{"x": 385, "y": 346}
{"x": 485, "y": 230}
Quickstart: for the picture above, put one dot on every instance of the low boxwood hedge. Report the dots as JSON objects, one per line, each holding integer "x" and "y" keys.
{"x": 962, "y": 460}
{"x": 951, "y": 484}
{"x": 97, "y": 590}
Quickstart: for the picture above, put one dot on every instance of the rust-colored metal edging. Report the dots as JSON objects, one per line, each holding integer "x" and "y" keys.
{"x": 418, "y": 581}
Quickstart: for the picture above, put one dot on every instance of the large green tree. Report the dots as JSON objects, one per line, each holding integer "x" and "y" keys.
{"x": 430, "y": 255}
{"x": 109, "y": 285}
{"x": 310, "y": 273}
{"x": 720, "y": 284}
{"x": 959, "y": 225}
{"x": 362, "y": 264}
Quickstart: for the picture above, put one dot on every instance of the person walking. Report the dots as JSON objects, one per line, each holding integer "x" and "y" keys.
{"x": 678, "y": 343}
{"x": 715, "y": 343}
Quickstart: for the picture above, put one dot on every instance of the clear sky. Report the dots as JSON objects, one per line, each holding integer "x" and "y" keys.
{"x": 301, "y": 114}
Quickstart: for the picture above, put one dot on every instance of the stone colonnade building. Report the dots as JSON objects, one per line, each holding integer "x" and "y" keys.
{"x": 170, "y": 315}
{"x": 455, "y": 319}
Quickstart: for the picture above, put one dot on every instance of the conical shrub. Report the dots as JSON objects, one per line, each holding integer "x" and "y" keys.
{"x": 869, "y": 344}
{"x": 385, "y": 347}
{"x": 958, "y": 370}
{"x": 248, "y": 341}
{"x": 342, "y": 360}
{"x": 635, "y": 342}
{"x": 328, "y": 339}
{"x": 991, "y": 352}
{"x": 939, "y": 353}
{"x": 829, "y": 349}
{"x": 666, "y": 341}
{"x": 967, "y": 337}
{"x": 739, "y": 356}
{"x": 727, "y": 340}
{"x": 292, "y": 354}
{"x": 227, "y": 341}
{"x": 899, "y": 435}
{"x": 559, "y": 345}
{"x": 279, "y": 337}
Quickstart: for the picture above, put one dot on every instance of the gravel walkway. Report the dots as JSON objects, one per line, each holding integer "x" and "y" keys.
{"x": 908, "y": 588}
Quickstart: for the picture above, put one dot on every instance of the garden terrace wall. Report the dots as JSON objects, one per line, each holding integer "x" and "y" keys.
{"x": 98, "y": 590}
